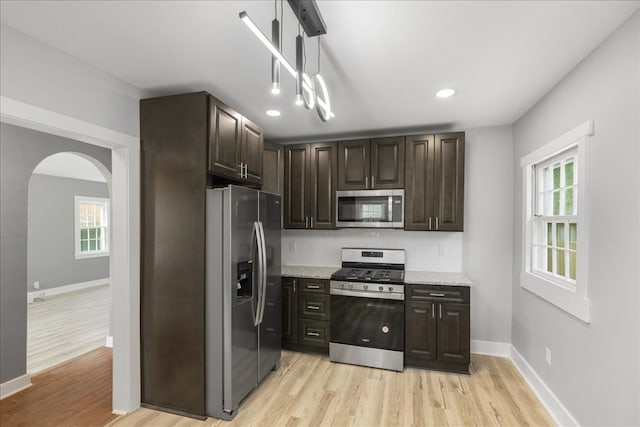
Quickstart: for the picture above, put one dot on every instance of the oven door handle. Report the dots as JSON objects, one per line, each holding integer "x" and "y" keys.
{"x": 364, "y": 294}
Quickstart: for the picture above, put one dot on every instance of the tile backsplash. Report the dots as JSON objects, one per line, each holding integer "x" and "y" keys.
{"x": 428, "y": 251}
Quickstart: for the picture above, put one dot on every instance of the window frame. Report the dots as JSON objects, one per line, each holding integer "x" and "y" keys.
{"x": 79, "y": 254}
{"x": 570, "y": 297}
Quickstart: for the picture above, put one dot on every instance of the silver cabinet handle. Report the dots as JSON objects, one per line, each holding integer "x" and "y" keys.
{"x": 373, "y": 181}
{"x": 433, "y": 310}
{"x": 440, "y": 310}
{"x": 437, "y": 226}
{"x": 311, "y": 222}
{"x": 241, "y": 173}
{"x": 429, "y": 223}
{"x": 245, "y": 171}
{"x": 313, "y": 286}
{"x": 306, "y": 222}
{"x": 435, "y": 295}
{"x": 313, "y": 307}
{"x": 366, "y": 181}
{"x": 294, "y": 286}
{"x": 419, "y": 311}
{"x": 313, "y": 334}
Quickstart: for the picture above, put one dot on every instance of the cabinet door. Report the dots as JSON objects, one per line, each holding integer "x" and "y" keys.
{"x": 419, "y": 181}
{"x": 322, "y": 182}
{"x": 251, "y": 151}
{"x": 296, "y": 176}
{"x": 354, "y": 165}
{"x": 387, "y": 163}
{"x": 289, "y": 310}
{"x": 420, "y": 331}
{"x": 453, "y": 333}
{"x": 224, "y": 140}
{"x": 273, "y": 169}
{"x": 449, "y": 181}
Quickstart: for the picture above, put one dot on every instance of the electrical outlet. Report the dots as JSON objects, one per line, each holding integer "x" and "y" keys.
{"x": 547, "y": 355}
{"x": 442, "y": 250}
{"x": 36, "y": 285}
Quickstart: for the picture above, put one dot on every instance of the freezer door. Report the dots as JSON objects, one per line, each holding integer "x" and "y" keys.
{"x": 270, "y": 329}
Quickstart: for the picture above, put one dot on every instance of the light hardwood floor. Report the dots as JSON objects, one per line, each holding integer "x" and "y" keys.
{"x": 67, "y": 325}
{"x": 309, "y": 390}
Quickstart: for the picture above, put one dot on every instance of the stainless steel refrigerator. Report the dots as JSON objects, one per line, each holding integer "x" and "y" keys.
{"x": 243, "y": 292}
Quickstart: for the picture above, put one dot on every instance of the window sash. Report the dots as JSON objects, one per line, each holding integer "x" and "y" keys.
{"x": 92, "y": 226}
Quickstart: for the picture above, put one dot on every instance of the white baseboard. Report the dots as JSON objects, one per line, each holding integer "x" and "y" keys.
{"x": 554, "y": 406}
{"x": 119, "y": 412}
{"x": 67, "y": 288}
{"x": 15, "y": 385}
{"x": 491, "y": 348}
{"x": 109, "y": 341}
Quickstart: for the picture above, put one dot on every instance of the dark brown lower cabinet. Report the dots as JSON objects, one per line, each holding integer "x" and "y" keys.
{"x": 305, "y": 315}
{"x": 437, "y": 327}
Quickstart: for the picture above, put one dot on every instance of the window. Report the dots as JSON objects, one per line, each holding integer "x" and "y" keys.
{"x": 91, "y": 227}
{"x": 555, "y": 222}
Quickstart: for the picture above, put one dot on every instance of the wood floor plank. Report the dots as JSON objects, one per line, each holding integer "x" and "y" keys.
{"x": 74, "y": 393}
{"x": 309, "y": 390}
{"x": 64, "y": 326}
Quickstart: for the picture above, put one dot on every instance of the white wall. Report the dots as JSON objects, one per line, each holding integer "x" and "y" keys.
{"x": 482, "y": 251}
{"x": 487, "y": 237}
{"x": 595, "y": 367}
{"x": 40, "y": 75}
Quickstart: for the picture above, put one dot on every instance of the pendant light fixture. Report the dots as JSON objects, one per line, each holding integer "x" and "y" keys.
{"x": 275, "y": 40}
{"x": 309, "y": 92}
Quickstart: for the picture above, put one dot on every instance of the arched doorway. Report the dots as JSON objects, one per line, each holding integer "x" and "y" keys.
{"x": 125, "y": 270}
{"x": 68, "y": 259}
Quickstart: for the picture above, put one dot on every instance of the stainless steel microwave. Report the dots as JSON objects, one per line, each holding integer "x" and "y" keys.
{"x": 370, "y": 209}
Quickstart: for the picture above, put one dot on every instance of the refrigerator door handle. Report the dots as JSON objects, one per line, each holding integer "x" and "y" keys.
{"x": 263, "y": 265}
{"x": 258, "y": 242}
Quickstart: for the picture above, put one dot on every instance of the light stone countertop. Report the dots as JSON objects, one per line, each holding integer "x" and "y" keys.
{"x": 410, "y": 277}
{"x": 436, "y": 278}
{"x": 309, "y": 272}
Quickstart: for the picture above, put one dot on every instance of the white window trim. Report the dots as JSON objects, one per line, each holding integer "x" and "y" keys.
{"x": 574, "y": 301}
{"x": 76, "y": 218}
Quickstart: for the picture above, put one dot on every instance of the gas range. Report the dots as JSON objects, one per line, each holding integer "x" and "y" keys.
{"x": 367, "y": 309}
{"x": 370, "y": 274}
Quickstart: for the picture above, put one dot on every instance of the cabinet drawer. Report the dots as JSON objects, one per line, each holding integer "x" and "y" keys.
{"x": 313, "y": 332}
{"x": 457, "y": 294}
{"x": 314, "y": 306}
{"x": 317, "y": 286}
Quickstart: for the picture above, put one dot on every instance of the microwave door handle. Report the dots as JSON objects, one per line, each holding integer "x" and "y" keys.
{"x": 390, "y": 209}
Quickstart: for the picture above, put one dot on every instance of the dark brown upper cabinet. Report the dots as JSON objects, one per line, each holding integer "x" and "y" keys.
{"x": 273, "y": 169}
{"x": 434, "y": 182}
{"x": 310, "y": 184}
{"x": 235, "y": 145}
{"x": 371, "y": 164}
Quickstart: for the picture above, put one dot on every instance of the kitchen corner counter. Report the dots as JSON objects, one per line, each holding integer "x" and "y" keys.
{"x": 436, "y": 278}
{"x": 308, "y": 272}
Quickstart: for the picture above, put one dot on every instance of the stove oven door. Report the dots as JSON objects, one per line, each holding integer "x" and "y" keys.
{"x": 367, "y": 322}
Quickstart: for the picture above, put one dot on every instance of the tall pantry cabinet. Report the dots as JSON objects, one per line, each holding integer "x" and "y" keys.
{"x": 188, "y": 142}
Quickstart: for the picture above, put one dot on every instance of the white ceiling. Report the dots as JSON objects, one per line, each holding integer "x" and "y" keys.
{"x": 382, "y": 60}
{"x": 69, "y": 165}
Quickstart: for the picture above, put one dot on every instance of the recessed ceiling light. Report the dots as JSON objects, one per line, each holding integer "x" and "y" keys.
{"x": 272, "y": 113}
{"x": 445, "y": 93}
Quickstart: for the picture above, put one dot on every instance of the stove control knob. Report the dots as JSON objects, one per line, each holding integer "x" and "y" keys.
{"x": 365, "y": 287}
{"x": 381, "y": 288}
{"x": 390, "y": 288}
